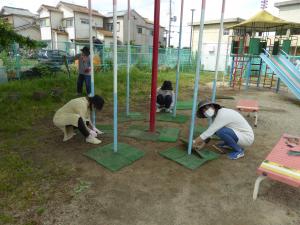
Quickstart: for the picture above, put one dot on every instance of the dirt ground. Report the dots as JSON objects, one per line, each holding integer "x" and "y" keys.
{"x": 155, "y": 190}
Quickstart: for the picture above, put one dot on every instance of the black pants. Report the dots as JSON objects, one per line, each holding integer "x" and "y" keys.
{"x": 82, "y": 128}
{"x": 84, "y": 78}
{"x": 164, "y": 101}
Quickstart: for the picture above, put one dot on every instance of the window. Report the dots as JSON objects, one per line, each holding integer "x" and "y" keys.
{"x": 140, "y": 30}
{"x": 109, "y": 26}
{"x": 84, "y": 21}
{"x": 225, "y": 32}
{"x": 68, "y": 22}
{"x": 45, "y": 22}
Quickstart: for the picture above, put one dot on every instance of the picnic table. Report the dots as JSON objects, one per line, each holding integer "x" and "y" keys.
{"x": 250, "y": 106}
{"x": 280, "y": 164}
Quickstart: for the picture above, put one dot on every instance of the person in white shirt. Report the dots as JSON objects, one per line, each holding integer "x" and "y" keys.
{"x": 165, "y": 97}
{"x": 229, "y": 125}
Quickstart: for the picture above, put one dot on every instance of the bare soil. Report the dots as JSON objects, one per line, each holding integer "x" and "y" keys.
{"x": 155, "y": 190}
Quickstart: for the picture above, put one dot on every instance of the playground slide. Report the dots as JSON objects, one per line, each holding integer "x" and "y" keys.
{"x": 285, "y": 70}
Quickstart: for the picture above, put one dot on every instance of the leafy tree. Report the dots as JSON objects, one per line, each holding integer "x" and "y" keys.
{"x": 9, "y": 36}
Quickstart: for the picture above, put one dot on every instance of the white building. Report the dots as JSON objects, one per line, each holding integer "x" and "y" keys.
{"x": 69, "y": 22}
{"x": 141, "y": 29}
{"x": 210, "y": 41}
{"x": 289, "y": 10}
{"x": 23, "y": 21}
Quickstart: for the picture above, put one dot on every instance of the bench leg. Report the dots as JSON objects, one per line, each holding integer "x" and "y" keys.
{"x": 256, "y": 186}
{"x": 256, "y": 118}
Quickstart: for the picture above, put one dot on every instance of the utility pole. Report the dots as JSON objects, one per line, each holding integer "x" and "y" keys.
{"x": 191, "y": 35}
{"x": 170, "y": 21}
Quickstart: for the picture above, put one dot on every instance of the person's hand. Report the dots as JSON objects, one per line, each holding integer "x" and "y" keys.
{"x": 97, "y": 131}
{"x": 93, "y": 133}
{"x": 198, "y": 143}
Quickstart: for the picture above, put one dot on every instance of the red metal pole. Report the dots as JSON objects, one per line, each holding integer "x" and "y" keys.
{"x": 154, "y": 65}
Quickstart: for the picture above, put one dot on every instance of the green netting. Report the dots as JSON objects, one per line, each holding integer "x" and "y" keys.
{"x": 180, "y": 156}
{"x": 168, "y": 117}
{"x": 115, "y": 161}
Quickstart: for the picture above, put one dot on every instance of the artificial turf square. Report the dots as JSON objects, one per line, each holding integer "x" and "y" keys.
{"x": 115, "y": 161}
{"x": 183, "y": 105}
{"x": 131, "y": 117}
{"x": 169, "y": 134}
{"x": 168, "y": 117}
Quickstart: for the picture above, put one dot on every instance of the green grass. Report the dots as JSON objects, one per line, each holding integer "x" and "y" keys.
{"x": 23, "y": 178}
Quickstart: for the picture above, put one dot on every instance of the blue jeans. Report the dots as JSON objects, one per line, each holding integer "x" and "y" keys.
{"x": 229, "y": 137}
{"x": 84, "y": 78}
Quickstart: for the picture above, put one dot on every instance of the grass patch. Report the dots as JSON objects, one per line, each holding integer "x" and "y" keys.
{"x": 28, "y": 183}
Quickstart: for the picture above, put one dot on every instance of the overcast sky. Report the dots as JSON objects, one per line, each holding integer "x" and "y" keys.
{"x": 233, "y": 8}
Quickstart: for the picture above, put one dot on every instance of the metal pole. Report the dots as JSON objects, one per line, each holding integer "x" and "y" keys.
{"x": 196, "y": 85}
{"x": 128, "y": 60}
{"x": 191, "y": 35}
{"x": 115, "y": 76}
{"x": 91, "y": 58}
{"x": 178, "y": 60}
{"x": 213, "y": 99}
{"x": 154, "y": 65}
{"x": 170, "y": 21}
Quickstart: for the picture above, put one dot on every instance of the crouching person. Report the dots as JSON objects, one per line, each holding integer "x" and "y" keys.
{"x": 165, "y": 97}
{"x": 76, "y": 115}
{"x": 229, "y": 125}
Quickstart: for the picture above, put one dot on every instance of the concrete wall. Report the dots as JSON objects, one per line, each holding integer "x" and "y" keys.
{"x": 22, "y": 20}
{"x": 44, "y": 13}
{"x": 290, "y": 13}
{"x": 31, "y": 32}
{"x": 56, "y": 19}
{"x": 82, "y": 30}
{"x": 45, "y": 33}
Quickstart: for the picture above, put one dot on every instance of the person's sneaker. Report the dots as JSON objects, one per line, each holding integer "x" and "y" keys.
{"x": 167, "y": 110}
{"x": 158, "y": 110}
{"x": 93, "y": 140}
{"x": 236, "y": 154}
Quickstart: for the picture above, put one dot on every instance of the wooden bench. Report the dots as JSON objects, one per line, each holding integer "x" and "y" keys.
{"x": 279, "y": 165}
{"x": 250, "y": 106}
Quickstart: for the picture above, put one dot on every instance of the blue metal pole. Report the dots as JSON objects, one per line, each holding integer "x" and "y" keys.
{"x": 213, "y": 98}
{"x": 115, "y": 76}
{"x": 248, "y": 73}
{"x": 197, "y": 78}
{"x": 231, "y": 71}
{"x": 178, "y": 61}
{"x": 128, "y": 61}
{"x": 92, "y": 63}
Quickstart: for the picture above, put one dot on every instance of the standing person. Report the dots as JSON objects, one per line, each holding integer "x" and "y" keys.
{"x": 229, "y": 125}
{"x": 84, "y": 71}
{"x": 165, "y": 97}
{"x": 76, "y": 114}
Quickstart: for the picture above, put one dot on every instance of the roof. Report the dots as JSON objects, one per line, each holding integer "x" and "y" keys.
{"x": 80, "y": 8}
{"x": 228, "y": 20}
{"x": 287, "y": 3}
{"x": 119, "y": 13}
{"x": 264, "y": 21}
{"x": 6, "y": 10}
{"x": 49, "y": 7}
{"x": 106, "y": 33}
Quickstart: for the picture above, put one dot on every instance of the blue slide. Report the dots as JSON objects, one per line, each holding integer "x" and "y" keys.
{"x": 285, "y": 70}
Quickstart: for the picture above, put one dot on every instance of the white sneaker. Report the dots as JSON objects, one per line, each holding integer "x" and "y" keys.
{"x": 93, "y": 140}
{"x": 158, "y": 110}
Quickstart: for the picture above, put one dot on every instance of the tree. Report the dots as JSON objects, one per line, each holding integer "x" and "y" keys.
{"x": 9, "y": 36}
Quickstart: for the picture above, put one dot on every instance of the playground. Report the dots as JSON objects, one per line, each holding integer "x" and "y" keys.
{"x": 147, "y": 170}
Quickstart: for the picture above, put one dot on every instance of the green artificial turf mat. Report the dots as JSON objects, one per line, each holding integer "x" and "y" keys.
{"x": 168, "y": 117}
{"x": 115, "y": 161}
{"x": 182, "y": 157}
{"x": 183, "y": 105}
{"x": 106, "y": 128}
{"x": 131, "y": 117}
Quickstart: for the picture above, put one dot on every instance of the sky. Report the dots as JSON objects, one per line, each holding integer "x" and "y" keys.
{"x": 234, "y": 8}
